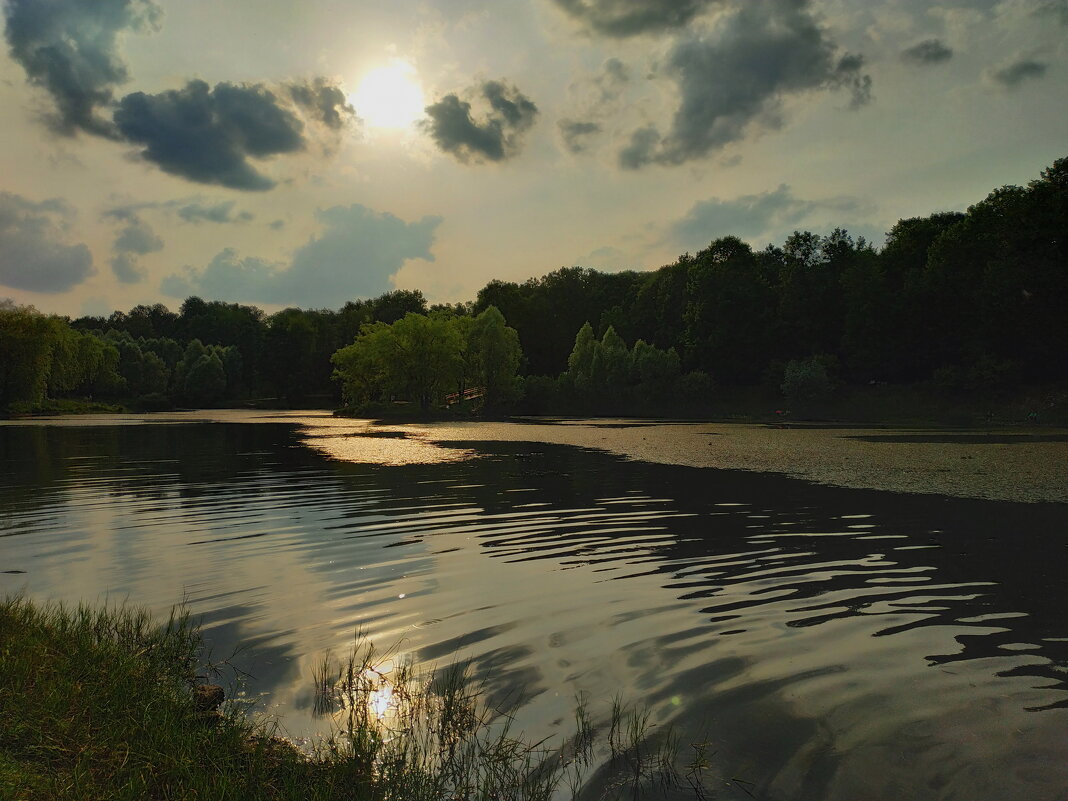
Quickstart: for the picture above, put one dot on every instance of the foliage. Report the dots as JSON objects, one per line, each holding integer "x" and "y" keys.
{"x": 421, "y": 358}
{"x": 809, "y": 380}
{"x": 103, "y": 703}
{"x": 43, "y": 357}
{"x": 956, "y": 301}
{"x": 606, "y": 376}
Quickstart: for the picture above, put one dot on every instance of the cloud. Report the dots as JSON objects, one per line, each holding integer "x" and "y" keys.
{"x": 752, "y": 217}
{"x": 1058, "y": 8}
{"x": 135, "y": 239}
{"x": 576, "y": 133}
{"x": 209, "y": 134}
{"x": 608, "y": 259}
{"x": 325, "y": 101}
{"x": 354, "y": 256}
{"x": 218, "y": 213}
{"x": 68, "y": 47}
{"x": 642, "y": 148}
{"x": 138, "y": 237}
{"x": 33, "y": 254}
{"x": 203, "y": 134}
{"x": 1012, "y": 75}
{"x": 736, "y": 78}
{"x": 930, "y": 51}
{"x": 496, "y": 137}
{"x": 126, "y": 269}
{"x": 622, "y": 18}
{"x": 594, "y": 98}
{"x": 189, "y": 209}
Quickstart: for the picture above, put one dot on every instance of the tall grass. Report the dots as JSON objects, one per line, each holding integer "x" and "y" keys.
{"x": 101, "y": 704}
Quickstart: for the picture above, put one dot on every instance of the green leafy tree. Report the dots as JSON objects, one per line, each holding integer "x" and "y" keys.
{"x": 205, "y": 379}
{"x": 610, "y": 367}
{"x": 730, "y": 313}
{"x": 27, "y": 339}
{"x": 417, "y": 358}
{"x": 809, "y": 380}
{"x": 494, "y": 353}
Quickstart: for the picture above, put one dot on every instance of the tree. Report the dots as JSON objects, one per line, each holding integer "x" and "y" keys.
{"x": 730, "y": 311}
{"x": 205, "y": 380}
{"x": 421, "y": 357}
{"x": 27, "y": 339}
{"x": 808, "y": 380}
{"x": 580, "y": 362}
{"x": 494, "y": 353}
{"x": 416, "y": 358}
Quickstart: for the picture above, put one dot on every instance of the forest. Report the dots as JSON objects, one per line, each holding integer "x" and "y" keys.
{"x": 958, "y": 302}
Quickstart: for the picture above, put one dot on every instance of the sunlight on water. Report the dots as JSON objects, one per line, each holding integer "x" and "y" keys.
{"x": 369, "y": 448}
{"x": 381, "y": 701}
{"x": 362, "y": 442}
{"x": 854, "y": 643}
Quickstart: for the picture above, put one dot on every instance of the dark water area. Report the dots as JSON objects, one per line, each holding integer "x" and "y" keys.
{"x": 829, "y": 643}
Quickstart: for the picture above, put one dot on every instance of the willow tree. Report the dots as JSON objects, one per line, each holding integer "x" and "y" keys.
{"x": 422, "y": 357}
{"x": 415, "y": 358}
{"x": 495, "y": 354}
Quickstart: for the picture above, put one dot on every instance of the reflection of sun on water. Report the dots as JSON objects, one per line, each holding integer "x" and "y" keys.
{"x": 389, "y": 97}
{"x": 380, "y": 701}
{"x": 359, "y": 441}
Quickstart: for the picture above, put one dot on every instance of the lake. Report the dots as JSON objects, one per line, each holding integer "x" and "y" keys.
{"x": 840, "y": 613}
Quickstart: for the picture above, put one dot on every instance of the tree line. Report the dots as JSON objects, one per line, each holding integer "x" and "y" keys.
{"x": 963, "y": 301}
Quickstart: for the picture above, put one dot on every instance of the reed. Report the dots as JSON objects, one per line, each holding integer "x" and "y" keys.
{"x": 101, "y": 703}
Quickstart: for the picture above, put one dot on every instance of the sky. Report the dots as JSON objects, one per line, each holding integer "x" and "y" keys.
{"x": 306, "y": 153}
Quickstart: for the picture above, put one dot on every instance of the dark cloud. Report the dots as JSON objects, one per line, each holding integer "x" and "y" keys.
{"x": 1057, "y": 8}
{"x": 930, "y": 51}
{"x": 209, "y": 134}
{"x": 218, "y": 213}
{"x": 596, "y": 97}
{"x": 324, "y": 101}
{"x": 203, "y": 134}
{"x": 576, "y": 134}
{"x": 277, "y": 225}
{"x": 615, "y": 71}
{"x": 737, "y": 77}
{"x": 354, "y": 256}
{"x": 68, "y": 47}
{"x": 136, "y": 238}
{"x": 642, "y": 148}
{"x": 768, "y": 214}
{"x": 495, "y": 137}
{"x": 189, "y": 209}
{"x": 621, "y": 18}
{"x": 127, "y": 269}
{"x": 33, "y": 254}
{"x": 848, "y": 75}
{"x": 1012, "y": 75}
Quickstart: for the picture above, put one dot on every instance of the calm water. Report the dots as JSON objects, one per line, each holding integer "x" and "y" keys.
{"x": 830, "y": 643}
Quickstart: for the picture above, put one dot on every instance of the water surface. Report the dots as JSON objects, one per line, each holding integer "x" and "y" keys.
{"x": 830, "y": 642}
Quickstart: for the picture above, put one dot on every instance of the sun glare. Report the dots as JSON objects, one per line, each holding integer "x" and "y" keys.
{"x": 389, "y": 97}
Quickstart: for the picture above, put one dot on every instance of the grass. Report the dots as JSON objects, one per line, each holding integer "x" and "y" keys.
{"x": 61, "y": 406}
{"x": 100, "y": 703}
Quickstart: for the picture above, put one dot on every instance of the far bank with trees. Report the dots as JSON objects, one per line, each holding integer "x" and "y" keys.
{"x": 957, "y": 309}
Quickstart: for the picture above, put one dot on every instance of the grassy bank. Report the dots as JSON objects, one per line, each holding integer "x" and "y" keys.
{"x": 107, "y": 704}
{"x": 60, "y": 406}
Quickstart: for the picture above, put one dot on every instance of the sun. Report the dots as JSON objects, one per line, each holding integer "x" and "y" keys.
{"x": 389, "y": 96}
